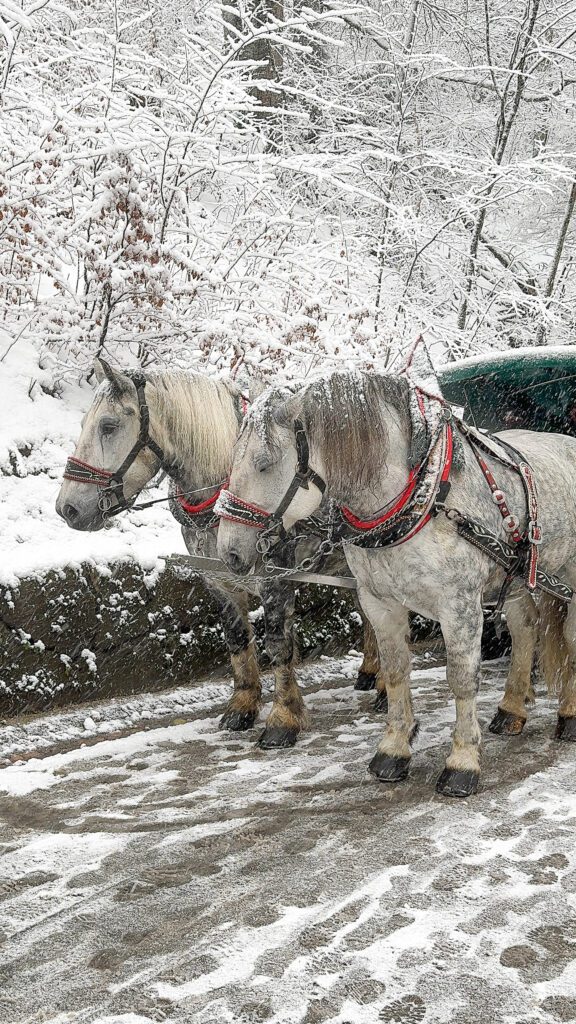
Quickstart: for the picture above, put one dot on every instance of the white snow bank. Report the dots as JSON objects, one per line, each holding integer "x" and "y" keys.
{"x": 37, "y": 433}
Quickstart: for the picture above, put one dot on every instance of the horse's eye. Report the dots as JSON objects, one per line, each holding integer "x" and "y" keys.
{"x": 108, "y": 428}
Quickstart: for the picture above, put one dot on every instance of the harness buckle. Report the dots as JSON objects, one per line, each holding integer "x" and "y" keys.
{"x": 104, "y": 503}
{"x": 534, "y": 532}
{"x": 303, "y": 478}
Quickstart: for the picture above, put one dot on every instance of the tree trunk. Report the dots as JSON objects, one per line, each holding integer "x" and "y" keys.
{"x": 508, "y": 111}
{"x": 552, "y": 273}
{"x": 265, "y": 51}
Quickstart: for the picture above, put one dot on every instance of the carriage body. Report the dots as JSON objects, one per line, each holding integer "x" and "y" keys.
{"x": 532, "y": 388}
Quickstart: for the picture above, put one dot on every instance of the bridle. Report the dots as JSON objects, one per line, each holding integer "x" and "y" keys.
{"x": 111, "y": 501}
{"x": 236, "y": 510}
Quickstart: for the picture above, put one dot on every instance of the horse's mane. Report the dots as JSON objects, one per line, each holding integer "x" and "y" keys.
{"x": 344, "y": 414}
{"x": 197, "y": 420}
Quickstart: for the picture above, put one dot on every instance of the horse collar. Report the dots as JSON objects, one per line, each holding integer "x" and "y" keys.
{"x": 112, "y": 500}
{"x": 406, "y": 514}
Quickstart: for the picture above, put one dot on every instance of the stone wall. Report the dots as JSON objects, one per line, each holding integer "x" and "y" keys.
{"x": 79, "y": 634}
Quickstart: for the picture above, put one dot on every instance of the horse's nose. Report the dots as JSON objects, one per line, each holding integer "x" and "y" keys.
{"x": 235, "y": 561}
{"x": 70, "y": 513}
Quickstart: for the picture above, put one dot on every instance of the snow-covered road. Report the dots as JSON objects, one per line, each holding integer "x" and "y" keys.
{"x": 175, "y": 873}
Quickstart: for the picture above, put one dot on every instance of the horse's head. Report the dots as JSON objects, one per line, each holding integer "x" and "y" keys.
{"x": 110, "y": 431}
{"x": 267, "y": 467}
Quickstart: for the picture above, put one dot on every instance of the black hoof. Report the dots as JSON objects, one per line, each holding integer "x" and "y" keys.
{"x": 274, "y": 736}
{"x": 389, "y": 769}
{"x": 237, "y": 721}
{"x": 566, "y": 729}
{"x": 365, "y": 681}
{"x": 381, "y": 703}
{"x": 455, "y": 783}
{"x": 505, "y": 723}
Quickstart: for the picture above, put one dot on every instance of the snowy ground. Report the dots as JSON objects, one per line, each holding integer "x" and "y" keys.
{"x": 178, "y": 874}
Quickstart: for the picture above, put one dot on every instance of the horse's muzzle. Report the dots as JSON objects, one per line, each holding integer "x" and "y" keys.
{"x": 78, "y": 519}
{"x": 239, "y": 564}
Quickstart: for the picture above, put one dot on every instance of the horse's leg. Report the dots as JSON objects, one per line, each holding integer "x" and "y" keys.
{"x": 288, "y": 716}
{"x": 522, "y": 621}
{"x": 366, "y": 679}
{"x": 566, "y": 670}
{"x": 462, "y": 630}
{"x": 390, "y": 623}
{"x": 243, "y": 707}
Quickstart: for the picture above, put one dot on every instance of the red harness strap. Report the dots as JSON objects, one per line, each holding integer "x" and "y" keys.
{"x": 196, "y": 510}
{"x": 399, "y": 504}
{"x": 369, "y": 524}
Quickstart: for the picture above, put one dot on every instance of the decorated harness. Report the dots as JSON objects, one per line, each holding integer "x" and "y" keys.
{"x": 440, "y": 435}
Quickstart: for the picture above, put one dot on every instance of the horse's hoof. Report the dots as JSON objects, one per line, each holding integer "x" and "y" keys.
{"x": 275, "y": 736}
{"x": 365, "y": 681}
{"x": 389, "y": 769}
{"x": 566, "y": 729}
{"x": 237, "y": 721}
{"x": 381, "y": 703}
{"x": 455, "y": 783}
{"x": 505, "y": 723}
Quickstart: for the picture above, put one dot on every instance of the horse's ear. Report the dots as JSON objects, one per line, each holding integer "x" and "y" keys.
{"x": 120, "y": 382}
{"x": 287, "y": 410}
{"x": 99, "y": 367}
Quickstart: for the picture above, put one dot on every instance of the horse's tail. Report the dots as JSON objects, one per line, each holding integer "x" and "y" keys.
{"x": 554, "y": 653}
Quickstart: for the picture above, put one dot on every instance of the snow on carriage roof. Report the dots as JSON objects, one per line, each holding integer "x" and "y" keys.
{"x": 549, "y": 355}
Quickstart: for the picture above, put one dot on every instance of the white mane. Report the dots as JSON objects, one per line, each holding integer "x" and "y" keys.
{"x": 195, "y": 420}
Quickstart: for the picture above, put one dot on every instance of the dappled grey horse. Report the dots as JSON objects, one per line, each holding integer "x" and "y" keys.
{"x": 186, "y": 424}
{"x": 426, "y": 507}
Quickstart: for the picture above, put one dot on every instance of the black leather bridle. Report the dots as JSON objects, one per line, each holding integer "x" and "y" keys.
{"x": 111, "y": 501}
{"x": 231, "y": 507}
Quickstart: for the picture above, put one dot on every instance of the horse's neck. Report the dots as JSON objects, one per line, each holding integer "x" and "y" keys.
{"x": 394, "y": 476}
{"x": 191, "y": 474}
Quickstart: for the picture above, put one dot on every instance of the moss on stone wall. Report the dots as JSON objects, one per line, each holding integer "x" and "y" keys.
{"x": 77, "y": 634}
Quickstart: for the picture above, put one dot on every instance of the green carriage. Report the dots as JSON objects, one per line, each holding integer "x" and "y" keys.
{"x": 533, "y": 388}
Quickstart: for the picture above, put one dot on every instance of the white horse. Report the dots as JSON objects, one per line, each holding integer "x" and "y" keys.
{"x": 355, "y": 434}
{"x": 187, "y": 425}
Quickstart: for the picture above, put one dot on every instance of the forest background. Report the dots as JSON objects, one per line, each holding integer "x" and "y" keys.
{"x": 284, "y": 184}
